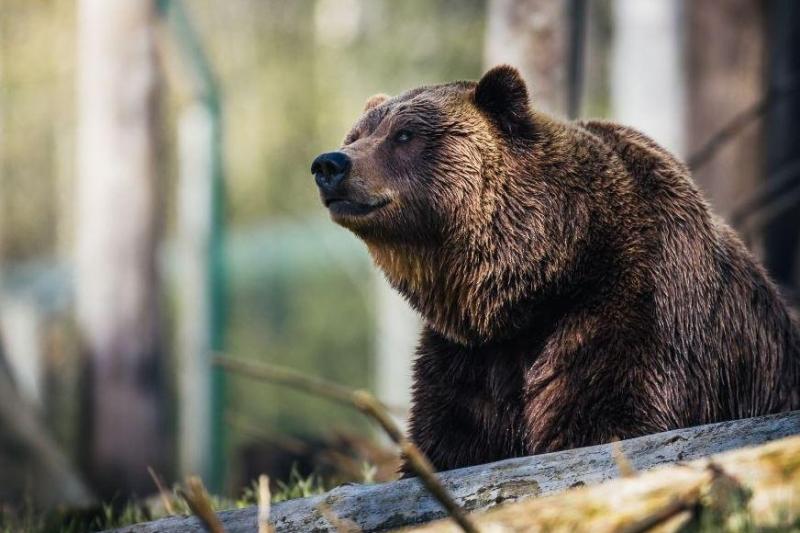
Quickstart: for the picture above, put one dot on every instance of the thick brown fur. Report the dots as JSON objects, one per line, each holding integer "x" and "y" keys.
{"x": 574, "y": 284}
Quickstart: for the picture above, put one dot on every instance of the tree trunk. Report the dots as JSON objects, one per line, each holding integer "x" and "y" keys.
{"x": 533, "y": 36}
{"x": 117, "y": 283}
{"x": 195, "y": 186}
{"x": 783, "y": 144}
{"x": 725, "y": 60}
{"x": 646, "y": 70}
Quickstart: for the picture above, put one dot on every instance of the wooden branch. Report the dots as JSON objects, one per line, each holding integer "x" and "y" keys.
{"x": 753, "y": 489}
{"x": 163, "y": 492}
{"x": 737, "y": 124}
{"x": 405, "y": 502}
{"x": 367, "y": 404}
{"x": 198, "y": 501}
{"x": 264, "y": 505}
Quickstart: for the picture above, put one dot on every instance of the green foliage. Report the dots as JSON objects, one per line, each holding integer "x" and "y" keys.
{"x": 299, "y": 487}
{"x": 37, "y": 44}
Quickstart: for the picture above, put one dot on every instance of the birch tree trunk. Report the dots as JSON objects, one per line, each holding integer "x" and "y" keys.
{"x": 647, "y": 83}
{"x": 532, "y": 35}
{"x": 117, "y": 221}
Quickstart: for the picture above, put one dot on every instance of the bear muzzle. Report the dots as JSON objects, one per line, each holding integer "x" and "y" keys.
{"x": 330, "y": 172}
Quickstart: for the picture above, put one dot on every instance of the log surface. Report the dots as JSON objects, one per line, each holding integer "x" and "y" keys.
{"x": 750, "y": 489}
{"x": 405, "y": 502}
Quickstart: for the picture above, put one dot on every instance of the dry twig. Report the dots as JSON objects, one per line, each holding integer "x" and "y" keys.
{"x": 264, "y": 500}
{"x": 166, "y": 497}
{"x": 738, "y": 123}
{"x": 367, "y": 404}
{"x": 198, "y": 501}
{"x": 624, "y": 466}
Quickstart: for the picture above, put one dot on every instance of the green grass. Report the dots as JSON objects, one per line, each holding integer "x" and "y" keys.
{"x": 109, "y": 515}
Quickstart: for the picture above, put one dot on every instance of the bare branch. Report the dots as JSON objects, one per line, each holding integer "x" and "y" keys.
{"x": 367, "y": 404}
{"x": 197, "y": 499}
{"x": 727, "y": 132}
{"x": 738, "y": 123}
{"x": 264, "y": 505}
{"x": 166, "y": 497}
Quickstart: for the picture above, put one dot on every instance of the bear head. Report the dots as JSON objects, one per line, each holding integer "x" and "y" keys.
{"x": 439, "y": 182}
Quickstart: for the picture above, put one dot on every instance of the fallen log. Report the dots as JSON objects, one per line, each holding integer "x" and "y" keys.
{"x": 752, "y": 489}
{"x": 405, "y": 502}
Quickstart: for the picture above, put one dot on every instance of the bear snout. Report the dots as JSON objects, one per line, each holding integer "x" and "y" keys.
{"x": 329, "y": 170}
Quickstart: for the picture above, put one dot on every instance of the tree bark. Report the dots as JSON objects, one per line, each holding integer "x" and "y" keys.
{"x": 117, "y": 227}
{"x": 725, "y": 65}
{"x": 400, "y": 503}
{"x": 532, "y": 35}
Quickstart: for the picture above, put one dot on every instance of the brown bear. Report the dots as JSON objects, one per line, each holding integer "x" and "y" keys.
{"x": 574, "y": 284}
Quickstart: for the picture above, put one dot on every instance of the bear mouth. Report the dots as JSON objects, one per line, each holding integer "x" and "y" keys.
{"x": 344, "y": 206}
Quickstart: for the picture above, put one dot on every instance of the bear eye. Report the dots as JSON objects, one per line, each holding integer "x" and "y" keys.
{"x": 402, "y": 136}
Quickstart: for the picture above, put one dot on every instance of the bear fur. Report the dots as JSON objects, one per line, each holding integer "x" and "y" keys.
{"x": 575, "y": 286}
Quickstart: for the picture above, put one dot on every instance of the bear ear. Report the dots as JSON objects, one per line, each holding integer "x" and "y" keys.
{"x": 374, "y": 101}
{"x": 501, "y": 94}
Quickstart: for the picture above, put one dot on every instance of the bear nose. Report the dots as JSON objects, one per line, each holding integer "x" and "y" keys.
{"x": 330, "y": 170}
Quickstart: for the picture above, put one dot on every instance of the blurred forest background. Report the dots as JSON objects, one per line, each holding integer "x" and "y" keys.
{"x": 157, "y": 206}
